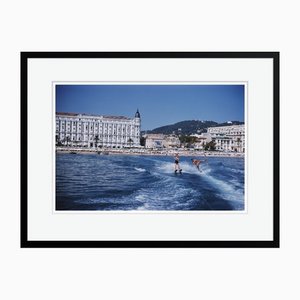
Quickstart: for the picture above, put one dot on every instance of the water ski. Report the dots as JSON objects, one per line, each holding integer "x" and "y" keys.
{"x": 180, "y": 171}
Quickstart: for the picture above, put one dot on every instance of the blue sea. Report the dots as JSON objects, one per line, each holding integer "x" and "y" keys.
{"x": 118, "y": 183}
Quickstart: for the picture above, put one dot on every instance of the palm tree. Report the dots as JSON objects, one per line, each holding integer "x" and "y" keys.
{"x": 142, "y": 141}
{"x": 96, "y": 140}
{"x": 238, "y": 143}
{"x": 130, "y": 141}
{"x": 210, "y": 146}
{"x": 68, "y": 140}
{"x": 57, "y": 140}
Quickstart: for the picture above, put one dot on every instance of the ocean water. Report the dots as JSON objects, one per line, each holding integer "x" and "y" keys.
{"x": 112, "y": 182}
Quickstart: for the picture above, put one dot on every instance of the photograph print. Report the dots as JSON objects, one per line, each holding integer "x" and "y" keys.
{"x": 150, "y": 147}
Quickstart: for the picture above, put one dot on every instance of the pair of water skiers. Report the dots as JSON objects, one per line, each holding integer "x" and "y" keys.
{"x": 195, "y": 162}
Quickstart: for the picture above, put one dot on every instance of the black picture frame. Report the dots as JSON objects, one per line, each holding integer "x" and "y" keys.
{"x": 25, "y": 243}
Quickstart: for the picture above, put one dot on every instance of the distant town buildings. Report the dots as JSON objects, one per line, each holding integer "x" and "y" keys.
{"x": 154, "y": 141}
{"x": 225, "y": 138}
{"x": 228, "y": 130}
{"x": 228, "y": 138}
{"x": 159, "y": 141}
{"x": 171, "y": 141}
{"x": 96, "y": 131}
{"x": 201, "y": 140}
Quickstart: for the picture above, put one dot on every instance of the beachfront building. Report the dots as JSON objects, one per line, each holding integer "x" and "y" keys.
{"x": 97, "y": 131}
{"x": 154, "y": 141}
{"x": 228, "y": 138}
{"x": 201, "y": 140}
{"x": 171, "y": 141}
{"x": 159, "y": 141}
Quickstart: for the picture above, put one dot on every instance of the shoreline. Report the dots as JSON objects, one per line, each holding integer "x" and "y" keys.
{"x": 147, "y": 152}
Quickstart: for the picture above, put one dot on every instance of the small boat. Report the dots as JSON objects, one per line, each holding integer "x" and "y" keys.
{"x": 73, "y": 152}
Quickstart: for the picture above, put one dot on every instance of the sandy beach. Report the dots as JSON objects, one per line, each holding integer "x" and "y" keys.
{"x": 149, "y": 152}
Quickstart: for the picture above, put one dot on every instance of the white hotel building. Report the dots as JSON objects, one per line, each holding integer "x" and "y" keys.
{"x": 83, "y": 130}
{"x": 228, "y": 138}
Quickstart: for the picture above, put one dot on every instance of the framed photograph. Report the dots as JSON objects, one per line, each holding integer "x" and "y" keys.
{"x": 149, "y": 149}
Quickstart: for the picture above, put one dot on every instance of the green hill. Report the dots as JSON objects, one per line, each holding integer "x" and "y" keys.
{"x": 190, "y": 127}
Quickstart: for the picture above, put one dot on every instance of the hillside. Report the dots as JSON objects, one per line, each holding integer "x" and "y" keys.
{"x": 189, "y": 127}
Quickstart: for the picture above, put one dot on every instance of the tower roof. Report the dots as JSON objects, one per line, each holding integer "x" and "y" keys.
{"x": 137, "y": 114}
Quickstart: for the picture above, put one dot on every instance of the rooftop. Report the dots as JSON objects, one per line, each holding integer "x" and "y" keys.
{"x": 90, "y": 115}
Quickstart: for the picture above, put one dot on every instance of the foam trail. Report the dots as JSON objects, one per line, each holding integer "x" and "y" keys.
{"x": 227, "y": 191}
{"x": 167, "y": 167}
{"x": 148, "y": 183}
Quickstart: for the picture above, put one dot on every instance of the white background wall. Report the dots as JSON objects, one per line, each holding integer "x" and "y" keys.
{"x": 161, "y": 26}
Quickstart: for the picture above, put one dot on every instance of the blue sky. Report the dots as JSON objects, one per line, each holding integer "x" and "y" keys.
{"x": 159, "y": 105}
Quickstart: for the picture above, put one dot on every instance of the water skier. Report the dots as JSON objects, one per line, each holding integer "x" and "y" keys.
{"x": 197, "y": 162}
{"x": 177, "y": 166}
